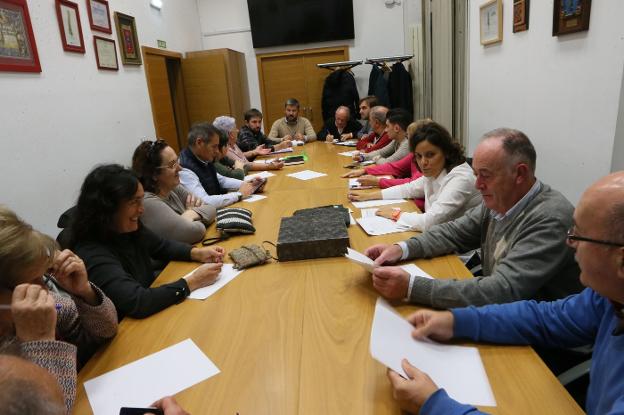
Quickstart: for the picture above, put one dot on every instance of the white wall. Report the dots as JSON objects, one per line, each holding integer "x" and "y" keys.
{"x": 617, "y": 161}
{"x": 563, "y": 92}
{"x": 56, "y": 125}
{"x": 378, "y": 32}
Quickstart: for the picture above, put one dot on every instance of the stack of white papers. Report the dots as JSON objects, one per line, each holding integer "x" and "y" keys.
{"x": 262, "y": 175}
{"x": 254, "y": 198}
{"x": 227, "y": 274}
{"x": 348, "y": 153}
{"x": 266, "y": 161}
{"x": 377, "y": 225}
{"x": 369, "y": 265}
{"x": 457, "y": 369}
{"x": 140, "y": 383}
{"x": 380, "y": 202}
{"x": 306, "y": 175}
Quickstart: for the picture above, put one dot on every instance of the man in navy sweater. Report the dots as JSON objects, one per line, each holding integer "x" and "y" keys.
{"x": 593, "y": 316}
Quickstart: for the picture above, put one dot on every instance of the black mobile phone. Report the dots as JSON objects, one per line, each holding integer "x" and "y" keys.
{"x": 140, "y": 411}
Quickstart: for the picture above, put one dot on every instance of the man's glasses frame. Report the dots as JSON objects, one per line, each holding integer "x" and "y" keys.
{"x": 572, "y": 237}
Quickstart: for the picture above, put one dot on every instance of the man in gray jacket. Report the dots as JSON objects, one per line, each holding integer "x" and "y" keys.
{"x": 520, "y": 228}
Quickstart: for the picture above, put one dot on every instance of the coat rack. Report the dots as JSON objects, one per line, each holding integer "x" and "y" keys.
{"x": 400, "y": 58}
{"x": 339, "y": 65}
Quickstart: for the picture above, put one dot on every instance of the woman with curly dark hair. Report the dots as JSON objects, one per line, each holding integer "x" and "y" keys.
{"x": 447, "y": 183}
{"x": 171, "y": 211}
{"x": 117, "y": 249}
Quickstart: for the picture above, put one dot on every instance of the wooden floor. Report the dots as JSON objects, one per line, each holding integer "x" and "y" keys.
{"x": 293, "y": 338}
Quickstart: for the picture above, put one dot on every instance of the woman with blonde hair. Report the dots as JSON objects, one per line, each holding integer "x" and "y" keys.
{"x": 49, "y": 307}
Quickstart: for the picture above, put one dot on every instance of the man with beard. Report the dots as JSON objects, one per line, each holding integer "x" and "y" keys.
{"x": 251, "y": 136}
{"x": 292, "y": 127}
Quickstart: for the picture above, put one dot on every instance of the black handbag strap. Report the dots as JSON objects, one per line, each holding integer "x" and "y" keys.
{"x": 272, "y": 244}
{"x": 211, "y": 241}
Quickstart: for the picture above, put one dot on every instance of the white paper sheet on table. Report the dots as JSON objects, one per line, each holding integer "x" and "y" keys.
{"x": 266, "y": 161}
{"x": 369, "y": 265}
{"x": 144, "y": 381}
{"x": 284, "y": 150}
{"x": 366, "y": 213}
{"x": 345, "y": 143}
{"x": 354, "y": 184}
{"x": 262, "y": 175}
{"x": 306, "y": 175}
{"x": 254, "y": 198}
{"x": 458, "y": 369}
{"x": 227, "y": 274}
{"x": 377, "y": 225}
{"x": 348, "y": 153}
{"x": 378, "y": 202}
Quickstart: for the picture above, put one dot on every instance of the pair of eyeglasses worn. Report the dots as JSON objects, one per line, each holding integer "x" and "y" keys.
{"x": 171, "y": 165}
{"x": 573, "y": 237}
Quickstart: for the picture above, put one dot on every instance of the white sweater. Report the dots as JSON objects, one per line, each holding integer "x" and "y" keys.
{"x": 447, "y": 197}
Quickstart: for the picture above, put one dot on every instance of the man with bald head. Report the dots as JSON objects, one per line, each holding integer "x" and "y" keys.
{"x": 26, "y": 388}
{"x": 341, "y": 127}
{"x": 520, "y": 228}
{"x": 592, "y": 317}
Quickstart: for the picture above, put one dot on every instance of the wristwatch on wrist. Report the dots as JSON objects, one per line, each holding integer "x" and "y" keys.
{"x": 240, "y": 196}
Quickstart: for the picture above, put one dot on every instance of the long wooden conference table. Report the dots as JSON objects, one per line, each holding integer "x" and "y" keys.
{"x": 293, "y": 337}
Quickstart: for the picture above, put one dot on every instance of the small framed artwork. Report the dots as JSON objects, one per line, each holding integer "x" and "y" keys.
{"x": 70, "y": 27}
{"x": 491, "y": 22}
{"x": 105, "y": 53}
{"x": 521, "y": 15}
{"x": 18, "y": 51}
{"x": 570, "y": 16}
{"x": 99, "y": 16}
{"x": 128, "y": 39}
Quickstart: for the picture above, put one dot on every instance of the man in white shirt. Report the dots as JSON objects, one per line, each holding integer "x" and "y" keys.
{"x": 198, "y": 173}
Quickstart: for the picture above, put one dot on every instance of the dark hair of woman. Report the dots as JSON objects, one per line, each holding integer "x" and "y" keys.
{"x": 147, "y": 163}
{"x": 223, "y": 139}
{"x": 437, "y": 135}
{"x": 102, "y": 193}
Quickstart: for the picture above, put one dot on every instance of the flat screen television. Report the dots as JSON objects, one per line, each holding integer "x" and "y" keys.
{"x": 286, "y": 22}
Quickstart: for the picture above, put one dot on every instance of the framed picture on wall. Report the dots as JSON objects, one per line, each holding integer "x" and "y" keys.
{"x": 70, "y": 27}
{"x": 521, "y": 15}
{"x": 18, "y": 51}
{"x": 105, "y": 53}
{"x": 570, "y": 16}
{"x": 99, "y": 16}
{"x": 491, "y": 22}
{"x": 128, "y": 39}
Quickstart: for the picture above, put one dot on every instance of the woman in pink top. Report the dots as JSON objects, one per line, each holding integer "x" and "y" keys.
{"x": 402, "y": 171}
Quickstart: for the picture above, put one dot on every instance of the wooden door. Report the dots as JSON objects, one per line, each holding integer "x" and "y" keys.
{"x": 294, "y": 74}
{"x": 160, "y": 98}
{"x": 205, "y": 87}
{"x": 282, "y": 78}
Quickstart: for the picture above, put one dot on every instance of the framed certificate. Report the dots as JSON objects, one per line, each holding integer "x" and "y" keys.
{"x": 105, "y": 53}
{"x": 128, "y": 39}
{"x": 70, "y": 27}
{"x": 491, "y": 22}
{"x": 99, "y": 16}
{"x": 570, "y": 16}
{"x": 18, "y": 50}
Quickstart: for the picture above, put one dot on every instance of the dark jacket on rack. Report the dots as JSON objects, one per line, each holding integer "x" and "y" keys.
{"x": 330, "y": 129}
{"x": 400, "y": 88}
{"x": 378, "y": 86}
{"x": 339, "y": 89}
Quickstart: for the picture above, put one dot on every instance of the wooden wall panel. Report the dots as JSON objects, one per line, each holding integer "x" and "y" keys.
{"x": 160, "y": 97}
